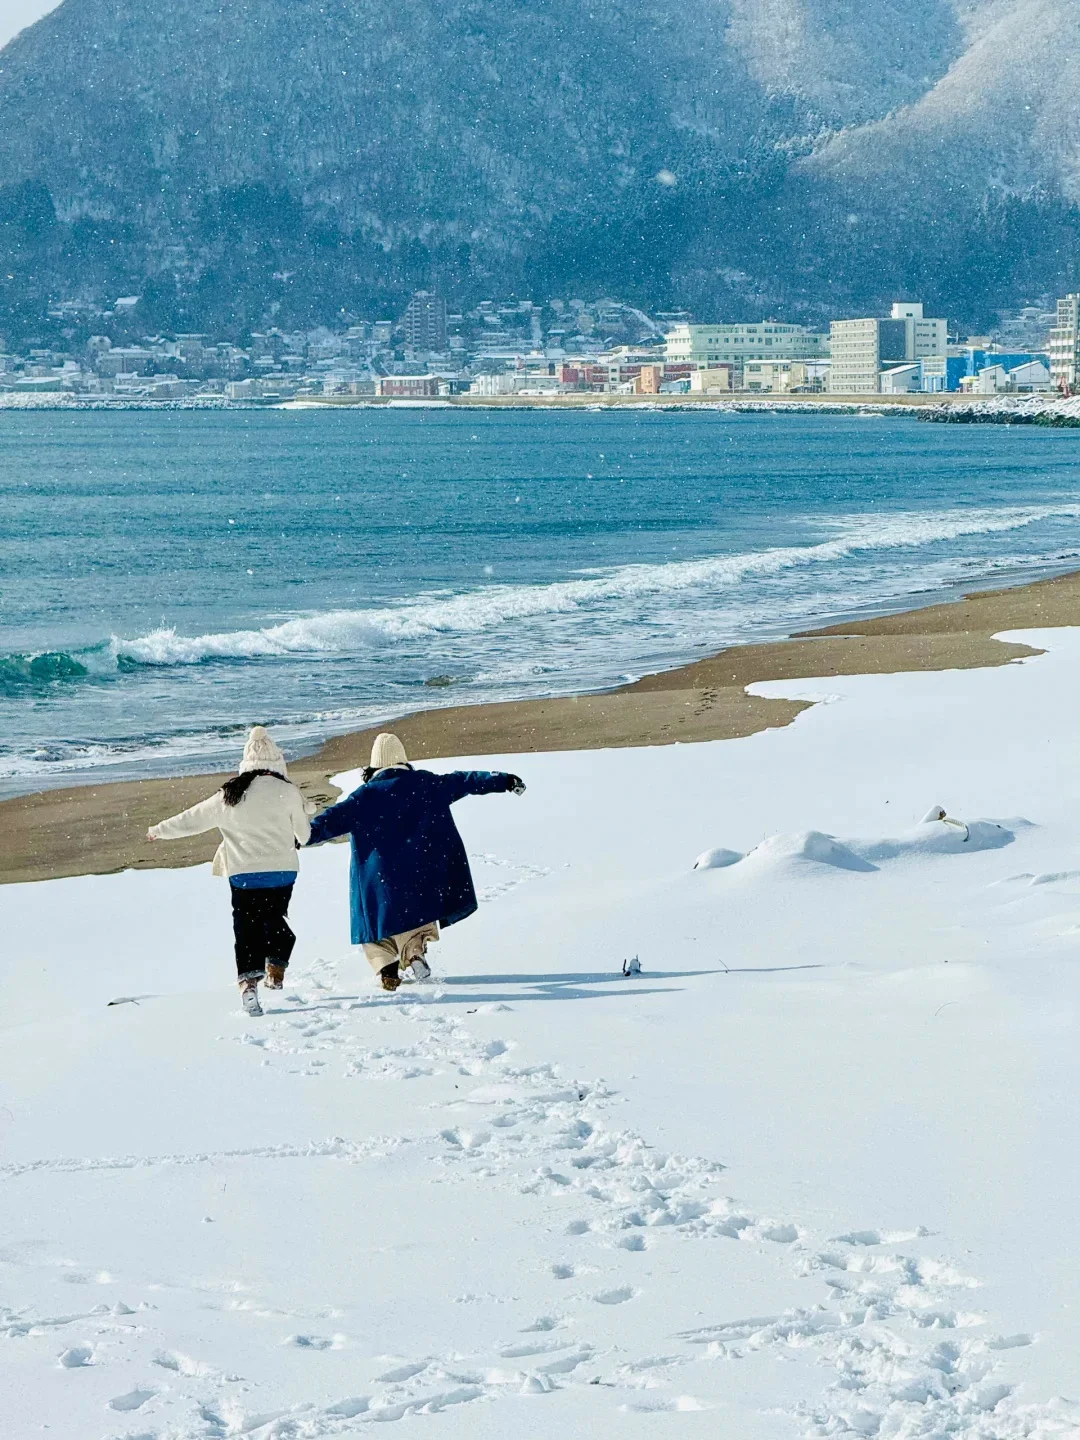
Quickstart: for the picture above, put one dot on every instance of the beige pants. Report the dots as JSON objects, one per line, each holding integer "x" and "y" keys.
{"x": 404, "y": 947}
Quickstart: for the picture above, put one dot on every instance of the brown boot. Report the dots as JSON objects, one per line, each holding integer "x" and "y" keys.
{"x": 275, "y": 976}
{"x": 389, "y": 976}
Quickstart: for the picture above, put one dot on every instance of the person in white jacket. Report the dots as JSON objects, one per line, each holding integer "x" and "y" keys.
{"x": 263, "y": 819}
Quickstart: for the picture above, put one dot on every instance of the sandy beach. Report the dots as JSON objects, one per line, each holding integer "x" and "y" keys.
{"x": 100, "y": 828}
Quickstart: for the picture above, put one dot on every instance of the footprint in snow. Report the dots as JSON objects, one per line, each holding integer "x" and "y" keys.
{"x": 880, "y": 1237}
{"x": 618, "y": 1296}
{"x": 781, "y": 1234}
{"x": 133, "y": 1400}
{"x": 400, "y": 1373}
{"x": 349, "y": 1408}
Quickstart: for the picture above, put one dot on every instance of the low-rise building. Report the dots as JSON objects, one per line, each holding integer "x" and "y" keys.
{"x": 710, "y": 380}
{"x": 409, "y": 387}
{"x": 902, "y": 379}
{"x": 1031, "y": 377}
{"x": 492, "y": 385}
{"x": 648, "y": 380}
{"x": 705, "y": 345}
{"x": 783, "y": 377}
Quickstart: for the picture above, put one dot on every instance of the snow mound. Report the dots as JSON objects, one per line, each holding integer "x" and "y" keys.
{"x": 806, "y": 845}
{"x": 938, "y": 837}
{"x": 936, "y": 834}
{"x": 717, "y": 859}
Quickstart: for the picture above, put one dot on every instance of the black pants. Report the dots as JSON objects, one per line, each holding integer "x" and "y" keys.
{"x": 261, "y": 930}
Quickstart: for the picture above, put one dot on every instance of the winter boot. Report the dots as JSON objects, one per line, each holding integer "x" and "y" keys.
{"x": 275, "y": 976}
{"x": 389, "y": 976}
{"x": 249, "y": 997}
{"x": 419, "y": 969}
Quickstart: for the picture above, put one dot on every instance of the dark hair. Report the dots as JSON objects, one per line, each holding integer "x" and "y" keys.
{"x": 235, "y": 789}
{"x": 369, "y": 771}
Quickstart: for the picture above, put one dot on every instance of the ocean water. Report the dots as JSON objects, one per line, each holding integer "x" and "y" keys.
{"x": 168, "y": 578}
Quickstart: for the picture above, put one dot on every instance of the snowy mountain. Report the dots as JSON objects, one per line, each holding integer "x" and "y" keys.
{"x": 268, "y": 158}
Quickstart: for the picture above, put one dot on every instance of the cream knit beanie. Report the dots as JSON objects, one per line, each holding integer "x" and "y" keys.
{"x": 260, "y": 753}
{"x": 387, "y": 750}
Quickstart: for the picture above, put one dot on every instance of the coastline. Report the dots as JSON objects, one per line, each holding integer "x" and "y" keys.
{"x": 739, "y": 401}
{"x": 100, "y": 829}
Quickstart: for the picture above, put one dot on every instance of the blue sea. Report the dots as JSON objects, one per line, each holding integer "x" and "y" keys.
{"x": 168, "y": 578}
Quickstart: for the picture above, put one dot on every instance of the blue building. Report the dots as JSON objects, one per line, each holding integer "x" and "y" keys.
{"x": 944, "y": 372}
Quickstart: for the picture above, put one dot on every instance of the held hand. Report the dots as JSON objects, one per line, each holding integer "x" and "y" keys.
{"x": 517, "y": 785}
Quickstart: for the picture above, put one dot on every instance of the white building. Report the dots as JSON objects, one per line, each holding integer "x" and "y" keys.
{"x": 1065, "y": 345}
{"x": 785, "y": 377}
{"x": 902, "y": 380}
{"x": 706, "y": 345}
{"x": 923, "y": 337}
{"x": 1030, "y": 378}
{"x": 492, "y": 385}
{"x": 862, "y": 349}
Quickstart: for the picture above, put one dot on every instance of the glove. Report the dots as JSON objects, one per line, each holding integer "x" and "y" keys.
{"x": 517, "y": 785}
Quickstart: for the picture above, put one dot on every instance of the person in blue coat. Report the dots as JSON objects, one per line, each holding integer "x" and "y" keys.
{"x": 409, "y": 873}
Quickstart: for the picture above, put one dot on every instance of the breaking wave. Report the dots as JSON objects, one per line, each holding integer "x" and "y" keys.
{"x": 342, "y": 632}
{"x": 22, "y": 673}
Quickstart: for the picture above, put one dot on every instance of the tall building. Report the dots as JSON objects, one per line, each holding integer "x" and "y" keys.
{"x": 424, "y": 323}
{"x": 705, "y": 345}
{"x": 923, "y": 337}
{"x": 861, "y": 349}
{"x": 1065, "y": 345}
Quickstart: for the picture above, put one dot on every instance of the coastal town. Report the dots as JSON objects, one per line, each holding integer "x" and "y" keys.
{"x": 499, "y": 352}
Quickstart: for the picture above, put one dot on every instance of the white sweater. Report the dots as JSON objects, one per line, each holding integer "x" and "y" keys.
{"x": 258, "y": 834}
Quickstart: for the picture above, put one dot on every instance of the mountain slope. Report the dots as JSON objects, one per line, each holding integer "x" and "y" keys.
{"x": 267, "y": 158}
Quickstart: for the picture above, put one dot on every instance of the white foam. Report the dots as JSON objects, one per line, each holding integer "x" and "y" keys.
{"x": 476, "y": 611}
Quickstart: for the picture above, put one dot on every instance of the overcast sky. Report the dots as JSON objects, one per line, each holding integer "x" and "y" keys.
{"x": 15, "y": 15}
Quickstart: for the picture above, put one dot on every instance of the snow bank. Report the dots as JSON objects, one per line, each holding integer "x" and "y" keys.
{"x": 937, "y": 834}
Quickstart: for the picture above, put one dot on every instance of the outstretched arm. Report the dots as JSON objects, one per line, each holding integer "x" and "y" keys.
{"x": 204, "y": 816}
{"x": 336, "y": 820}
{"x": 460, "y": 783}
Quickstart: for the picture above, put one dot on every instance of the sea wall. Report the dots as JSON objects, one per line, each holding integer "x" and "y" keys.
{"x": 1008, "y": 410}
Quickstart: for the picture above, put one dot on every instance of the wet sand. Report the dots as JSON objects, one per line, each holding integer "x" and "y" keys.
{"x": 99, "y": 829}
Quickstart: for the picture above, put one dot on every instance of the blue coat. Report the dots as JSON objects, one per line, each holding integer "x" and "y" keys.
{"x": 409, "y": 865}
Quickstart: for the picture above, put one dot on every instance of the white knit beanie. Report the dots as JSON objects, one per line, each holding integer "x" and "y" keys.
{"x": 260, "y": 753}
{"x": 387, "y": 751}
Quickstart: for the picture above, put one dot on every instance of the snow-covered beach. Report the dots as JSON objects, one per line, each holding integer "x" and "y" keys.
{"x": 813, "y": 1173}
